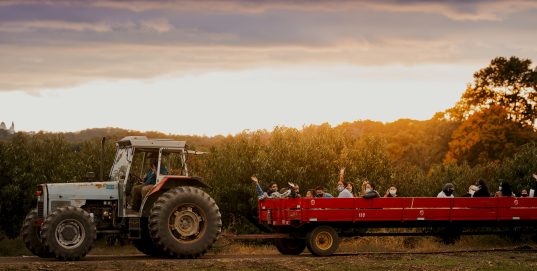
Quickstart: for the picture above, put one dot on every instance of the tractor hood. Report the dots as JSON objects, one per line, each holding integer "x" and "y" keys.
{"x": 83, "y": 191}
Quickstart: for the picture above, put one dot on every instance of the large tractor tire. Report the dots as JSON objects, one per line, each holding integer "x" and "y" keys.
{"x": 68, "y": 233}
{"x": 185, "y": 222}
{"x": 31, "y": 235}
{"x": 322, "y": 241}
{"x": 145, "y": 244}
{"x": 290, "y": 246}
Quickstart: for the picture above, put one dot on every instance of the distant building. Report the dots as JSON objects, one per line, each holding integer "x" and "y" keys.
{"x": 11, "y": 129}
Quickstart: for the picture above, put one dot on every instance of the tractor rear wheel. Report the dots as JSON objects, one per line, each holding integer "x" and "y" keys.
{"x": 290, "y": 246}
{"x": 185, "y": 222}
{"x": 322, "y": 241}
{"x": 68, "y": 233}
{"x": 31, "y": 235}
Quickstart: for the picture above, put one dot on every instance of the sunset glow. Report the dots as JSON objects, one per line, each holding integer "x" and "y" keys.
{"x": 219, "y": 67}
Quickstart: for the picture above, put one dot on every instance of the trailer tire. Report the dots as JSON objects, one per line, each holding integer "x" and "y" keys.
{"x": 68, "y": 233}
{"x": 290, "y": 246}
{"x": 145, "y": 244}
{"x": 322, "y": 241}
{"x": 185, "y": 222}
{"x": 31, "y": 235}
{"x": 450, "y": 235}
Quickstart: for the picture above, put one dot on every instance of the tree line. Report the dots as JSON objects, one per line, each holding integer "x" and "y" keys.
{"x": 488, "y": 134}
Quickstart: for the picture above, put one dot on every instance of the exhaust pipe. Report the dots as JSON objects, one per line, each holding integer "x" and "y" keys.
{"x": 101, "y": 166}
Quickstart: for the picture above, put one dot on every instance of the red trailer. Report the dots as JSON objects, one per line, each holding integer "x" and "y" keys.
{"x": 318, "y": 223}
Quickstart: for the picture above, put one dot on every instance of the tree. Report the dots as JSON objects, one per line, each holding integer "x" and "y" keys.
{"x": 508, "y": 83}
{"x": 488, "y": 135}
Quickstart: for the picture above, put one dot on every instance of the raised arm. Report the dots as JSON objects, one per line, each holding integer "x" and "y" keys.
{"x": 258, "y": 188}
{"x": 342, "y": 174}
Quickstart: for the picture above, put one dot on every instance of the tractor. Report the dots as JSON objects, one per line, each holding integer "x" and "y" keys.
{"x": 176, "y": 217}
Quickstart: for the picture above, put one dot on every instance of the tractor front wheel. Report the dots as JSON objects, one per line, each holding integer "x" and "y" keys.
{"x": 68, "y": 233}
{"x": 31, "y": 235}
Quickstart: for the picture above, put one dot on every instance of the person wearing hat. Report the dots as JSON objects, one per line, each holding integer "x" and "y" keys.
{"x": 447, "y": 191}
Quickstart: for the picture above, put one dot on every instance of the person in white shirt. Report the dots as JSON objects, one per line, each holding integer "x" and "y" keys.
{"x": 447, "y": 191}
{"x": 342, "y": 186}
{"x": 343, "y": 192}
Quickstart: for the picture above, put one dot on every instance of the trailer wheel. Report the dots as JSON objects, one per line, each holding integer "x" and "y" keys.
{"x": 31, "y": 235}
{"x": 450, "y": 235}
{"x": 290, "y": 246}
{"x": 185, "y": 222}
{"x": 145, "y": 244}
{"x": 68, "y": 233}
{"x": 322, "y": 241}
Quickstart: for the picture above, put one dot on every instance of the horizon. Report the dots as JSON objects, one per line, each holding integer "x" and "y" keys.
{"x": 219, "y": 68}
{"x": 215, "y": 135}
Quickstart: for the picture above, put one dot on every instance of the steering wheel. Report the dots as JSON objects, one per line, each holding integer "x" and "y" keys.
{"x": 135, "y": 178}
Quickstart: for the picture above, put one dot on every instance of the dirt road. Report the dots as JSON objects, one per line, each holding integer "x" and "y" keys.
{"x": 487, "y": 260}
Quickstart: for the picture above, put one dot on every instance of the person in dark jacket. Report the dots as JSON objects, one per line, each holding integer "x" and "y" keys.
{"x": 368, "y": 190}
{"x": 272, "y": 190}
{"x": 139, "y": 191}
{"x": 482, "y": 189}
{"x": 504, "y": 190}
{"x": 319, "y": 193}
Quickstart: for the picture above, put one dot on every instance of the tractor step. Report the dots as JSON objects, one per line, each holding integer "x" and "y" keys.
{"x": 134, "y": 228}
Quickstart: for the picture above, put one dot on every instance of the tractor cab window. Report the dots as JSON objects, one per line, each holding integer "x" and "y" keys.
{"x": 121, "y": 165}
{"x": 142, "y": 162}
{"x": 174, "y": 161}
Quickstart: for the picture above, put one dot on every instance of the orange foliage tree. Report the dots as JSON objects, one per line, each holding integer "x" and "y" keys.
{"x": 487, "y": 136}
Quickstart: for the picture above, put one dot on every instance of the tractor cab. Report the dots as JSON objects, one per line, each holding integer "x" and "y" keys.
{"x": 133, "y": 166}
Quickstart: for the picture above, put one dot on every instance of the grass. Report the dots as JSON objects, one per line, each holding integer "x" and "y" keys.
{"x": 13, "y": 247}
{"x": 420, "y": 244}
{"x": 251, "y": 255}
{"x": 226, "y": 246}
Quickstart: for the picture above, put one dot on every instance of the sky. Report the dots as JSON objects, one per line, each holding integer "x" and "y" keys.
{"x": 221, "y": 67}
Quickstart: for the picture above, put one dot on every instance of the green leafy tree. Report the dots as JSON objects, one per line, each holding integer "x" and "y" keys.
{"x": 508, "y": 83}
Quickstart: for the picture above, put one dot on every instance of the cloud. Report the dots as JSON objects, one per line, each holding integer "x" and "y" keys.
{"x": 161, "y": 25}
{"x": 155, "y": 25}
{"x": 28, "y": 26}
{"x": 57, "y": 44}
{"x": 37, "y": 68}
{"x": 455, "y": 10}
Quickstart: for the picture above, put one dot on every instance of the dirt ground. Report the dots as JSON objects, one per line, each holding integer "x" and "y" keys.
{"x": 490, "y": 260}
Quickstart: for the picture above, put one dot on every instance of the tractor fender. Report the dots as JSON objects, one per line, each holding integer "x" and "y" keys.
{"x": 167, "y": 183}
{"x": 174, "y": 181}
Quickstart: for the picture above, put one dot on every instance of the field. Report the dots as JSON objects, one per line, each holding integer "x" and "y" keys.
{"x": 386, "y": 253}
